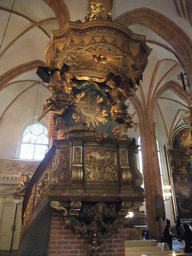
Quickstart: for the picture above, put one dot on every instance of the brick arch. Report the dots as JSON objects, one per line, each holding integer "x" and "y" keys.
{"x": 141, "y": 111}
{"x": 175, "y": 88}
{"x": 19, "y": 70}
{"x": 166, "y": 29}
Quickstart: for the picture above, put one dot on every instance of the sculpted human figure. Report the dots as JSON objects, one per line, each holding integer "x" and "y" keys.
{"x": 62, "y": 95}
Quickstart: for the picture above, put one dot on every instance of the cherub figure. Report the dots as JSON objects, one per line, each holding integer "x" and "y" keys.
{"x": 61, "y": 87}
{"x": 24, "y": 178}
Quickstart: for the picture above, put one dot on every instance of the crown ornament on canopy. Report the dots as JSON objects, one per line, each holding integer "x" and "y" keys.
{"x": 99, "y": 10}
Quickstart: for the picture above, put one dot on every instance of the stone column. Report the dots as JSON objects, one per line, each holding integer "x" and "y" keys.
{"x": 152, "y": 178}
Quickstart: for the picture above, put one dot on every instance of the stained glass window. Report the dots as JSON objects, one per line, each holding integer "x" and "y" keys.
{"x": 34, "y": 142}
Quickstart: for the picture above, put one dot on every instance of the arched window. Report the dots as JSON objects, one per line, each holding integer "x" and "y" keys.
{"x": 34, "y": 143}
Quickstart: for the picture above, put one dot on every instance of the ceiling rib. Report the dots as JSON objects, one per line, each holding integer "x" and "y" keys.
{"x": 21, "y": 93}
{"x": 23, "y": 33}
{"x": 27, "y": 18}
{"x": 163, "y": 119}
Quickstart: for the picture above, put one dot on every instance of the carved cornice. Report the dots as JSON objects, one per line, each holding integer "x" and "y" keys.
{"x": 92, "y": 50}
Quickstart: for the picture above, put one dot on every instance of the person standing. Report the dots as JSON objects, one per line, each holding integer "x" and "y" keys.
{"x": 187, "y": 237}
{"x": 190, "y": 225}
{"x": 167, "y": 236}
{"x": 178, "y": 228}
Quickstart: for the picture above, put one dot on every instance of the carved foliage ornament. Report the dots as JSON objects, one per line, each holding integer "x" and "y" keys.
{"x": 95, "y": 223}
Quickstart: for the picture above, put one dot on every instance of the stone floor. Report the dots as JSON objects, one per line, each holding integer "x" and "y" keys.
{"x": 177, "y": 245}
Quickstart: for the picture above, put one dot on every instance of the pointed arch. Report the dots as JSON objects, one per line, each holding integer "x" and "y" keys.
{"x": 19, "y": 70}
{"x": 60, "y": 10}
{"x": 174, "y": 87}
{"x": 166, "y": 29}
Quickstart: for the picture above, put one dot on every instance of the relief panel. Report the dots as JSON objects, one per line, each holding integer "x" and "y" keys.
{"x": 100, "y": 164}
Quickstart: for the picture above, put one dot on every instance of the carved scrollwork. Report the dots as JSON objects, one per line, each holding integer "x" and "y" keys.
{"x": 95, "y": 223}
{"x": 59, "y": 206}
{"x": 77, "y": 166}
{"x": 30, "y": 207}
{"x": 125, "y": 168}
{"x": 53, "y": 179}
{"x": 126, "y": 175}
{"x": 42, "y": 185}
{"x": 60, "y": 171}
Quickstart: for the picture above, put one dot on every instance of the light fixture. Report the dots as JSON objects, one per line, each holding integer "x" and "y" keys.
{"x": 167, "y": 192}
{"x": 130, "y": 215}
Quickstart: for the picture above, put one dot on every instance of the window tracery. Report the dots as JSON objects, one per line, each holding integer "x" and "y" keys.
{"x": 34, "y": 143}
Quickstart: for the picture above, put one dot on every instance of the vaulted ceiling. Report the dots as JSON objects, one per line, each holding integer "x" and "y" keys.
{"x": 25, "y": 31}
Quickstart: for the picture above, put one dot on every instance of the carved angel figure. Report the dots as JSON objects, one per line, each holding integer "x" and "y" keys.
{"x": 62, "y": 95}
{"x": 118, "y": 91}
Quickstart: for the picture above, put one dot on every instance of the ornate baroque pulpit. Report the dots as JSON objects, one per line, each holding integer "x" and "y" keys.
{"x": 91, "y": 174}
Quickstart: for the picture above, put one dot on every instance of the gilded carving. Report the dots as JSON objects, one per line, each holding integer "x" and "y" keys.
{"x": 126, "y": 175}
{"x": 39, "y": 190}
{"x": 18, "y": 166}
{"x": 100, "y": 136}
{"x": 24, "y": 179}
{"x": 89, "y": 108}
{"x": 123, "y": 155}
{"x": 65, "y": 164}
{"x": 100, "y": 164}
{"x": 77, "y": 173}
{"x": 116, "y": 47}
{"x": 102, "y": 53}
{"x": 136, "y": 174}
{"x": 75, "y": 208}
{"x": 42, "y": 185}
{"x": 60, "y": 170}
{"x": 93, "y": 225}
{"x": 62, "y": 95}
{"x": 94, "y": 67}
{"x": 77, "y": 154}
{"x": 53, "y": 177}
{"x": 98, "y": 11}
{"x": 59, "y": 206}
{"x": 30, "y": 207}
